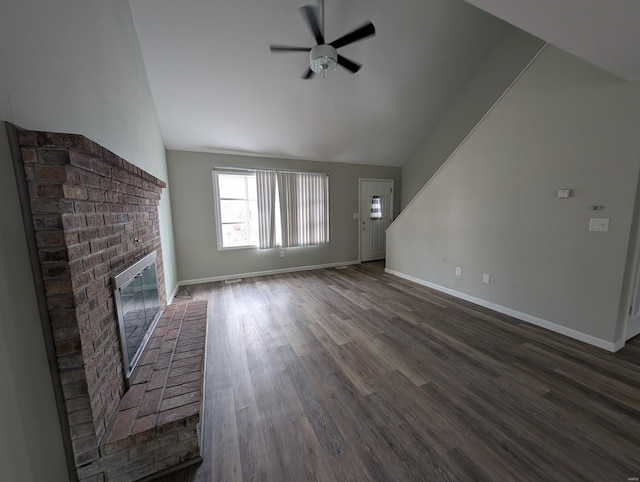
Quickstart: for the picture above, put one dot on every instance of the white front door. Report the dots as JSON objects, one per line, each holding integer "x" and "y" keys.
{"x": 376, "y": 214}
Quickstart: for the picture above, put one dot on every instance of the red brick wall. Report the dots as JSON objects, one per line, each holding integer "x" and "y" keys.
{"x": 94, "y": 214}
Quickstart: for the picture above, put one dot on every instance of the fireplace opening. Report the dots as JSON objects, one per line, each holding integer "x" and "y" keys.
{"x": 138, "y": 307}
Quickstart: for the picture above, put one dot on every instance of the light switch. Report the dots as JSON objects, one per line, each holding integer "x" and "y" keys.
{"x": 599, "y": 224}
{"x": 564, "y": 193}
{"x": 355, "y": 215}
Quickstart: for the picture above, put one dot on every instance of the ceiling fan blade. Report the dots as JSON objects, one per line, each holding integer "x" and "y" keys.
{"x": 358, "y": 34}
{"x": 286, "y": 48}
{"x": 348, "y": 64}
{"x": 310, "y": 14}
{"x": 308, "y": 74}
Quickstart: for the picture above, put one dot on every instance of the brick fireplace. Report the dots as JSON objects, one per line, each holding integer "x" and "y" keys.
{"x": 92, "y": 215}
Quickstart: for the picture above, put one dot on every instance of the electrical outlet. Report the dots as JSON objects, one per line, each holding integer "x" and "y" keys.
{"x": 485, "y": 278}
{"x": 282, "y": 254}
{"x": 459, "y": 271}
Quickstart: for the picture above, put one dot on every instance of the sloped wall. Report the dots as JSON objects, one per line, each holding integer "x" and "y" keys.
{"x": 493, "y": 209}
{"x": 490, "y": 81}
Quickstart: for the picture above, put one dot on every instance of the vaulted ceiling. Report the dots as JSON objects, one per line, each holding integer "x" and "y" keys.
{"x": 217, "y": 88}
{"x": 605, "y": 33}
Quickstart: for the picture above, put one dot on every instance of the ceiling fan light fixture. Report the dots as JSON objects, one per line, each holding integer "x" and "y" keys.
{"x": 323, "y": 59}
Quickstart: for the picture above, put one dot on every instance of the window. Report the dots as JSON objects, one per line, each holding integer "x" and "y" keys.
{"x": 304, "y": 208}
{"x": 267, "y": 209}
{"x": 237, "y": 207}
{"x": 376, "y": 208}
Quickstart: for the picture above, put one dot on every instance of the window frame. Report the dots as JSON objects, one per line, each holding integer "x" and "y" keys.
{"x": 246, "y": 173}
{"x": 218, "y": 211}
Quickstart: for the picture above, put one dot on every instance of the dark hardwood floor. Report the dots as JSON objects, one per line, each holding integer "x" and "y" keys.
{"x": 354, "y": 374}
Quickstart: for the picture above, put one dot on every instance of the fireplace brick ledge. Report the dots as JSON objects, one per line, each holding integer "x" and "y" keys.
{"x": 157, "y": 423}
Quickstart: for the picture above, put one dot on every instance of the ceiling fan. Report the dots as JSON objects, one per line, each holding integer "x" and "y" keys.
{"x": 323, "y": 58}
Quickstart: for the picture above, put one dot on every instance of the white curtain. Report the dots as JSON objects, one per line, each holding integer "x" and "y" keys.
{"x": 304, "y": 208}
{"x": 266, "y": 190}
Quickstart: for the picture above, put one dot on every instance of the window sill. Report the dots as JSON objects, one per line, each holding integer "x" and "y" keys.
{"x": 234, "y": 248}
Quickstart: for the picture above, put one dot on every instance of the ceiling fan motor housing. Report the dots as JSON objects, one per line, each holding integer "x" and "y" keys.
{"x": 323, "y": 59}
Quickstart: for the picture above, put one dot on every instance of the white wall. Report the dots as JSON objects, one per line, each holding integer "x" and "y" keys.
{"x": 76, "y": 66}
{"x": 502, "y": 66}
{"x": 190, "y": 175}
{"x": 67, "y": 66}
{"x": 492, "y": 208}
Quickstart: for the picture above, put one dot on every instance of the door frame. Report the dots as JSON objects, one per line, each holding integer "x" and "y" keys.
{"x": 630, "y": 298}
{"x": 358, "y": 224}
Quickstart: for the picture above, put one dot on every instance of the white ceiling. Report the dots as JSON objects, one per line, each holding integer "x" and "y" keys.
{"x": 217, "y": 87}
{"x": 603, "y": 32}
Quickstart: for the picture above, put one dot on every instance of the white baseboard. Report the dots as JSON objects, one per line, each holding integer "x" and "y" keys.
{"x": 263, "y": 273}
{"x": 563, "y": 330}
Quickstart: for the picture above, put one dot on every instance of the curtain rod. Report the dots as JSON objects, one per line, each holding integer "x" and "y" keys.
{"x": 244, "y": 169}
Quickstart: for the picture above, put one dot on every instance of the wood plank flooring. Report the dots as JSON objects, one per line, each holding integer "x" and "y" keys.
{"x": 356, "y": 375}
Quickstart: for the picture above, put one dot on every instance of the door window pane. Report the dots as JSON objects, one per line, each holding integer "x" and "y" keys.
{"x": 376, "y": 208}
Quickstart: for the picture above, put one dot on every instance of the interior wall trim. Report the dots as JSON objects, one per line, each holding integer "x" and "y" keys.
{"x": 262, "y": 273}
{"x": 549, "y": 325}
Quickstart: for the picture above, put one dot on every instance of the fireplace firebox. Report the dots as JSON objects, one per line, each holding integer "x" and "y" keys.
{"x": 138, "y": 307}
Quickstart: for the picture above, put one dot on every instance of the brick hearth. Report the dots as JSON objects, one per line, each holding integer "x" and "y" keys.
{"x": 157, "y": 424}
{"x": 94, "y": 214}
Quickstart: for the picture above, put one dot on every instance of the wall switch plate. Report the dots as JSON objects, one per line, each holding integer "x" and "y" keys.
{"x": 355, "y": 215}
{"x": 564, "y": 193}
{"x": 485, "y": 278}
{"x": 459, "y": 271}
{"x": 599, "y": 224}
{"x": 282, "y": 254}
